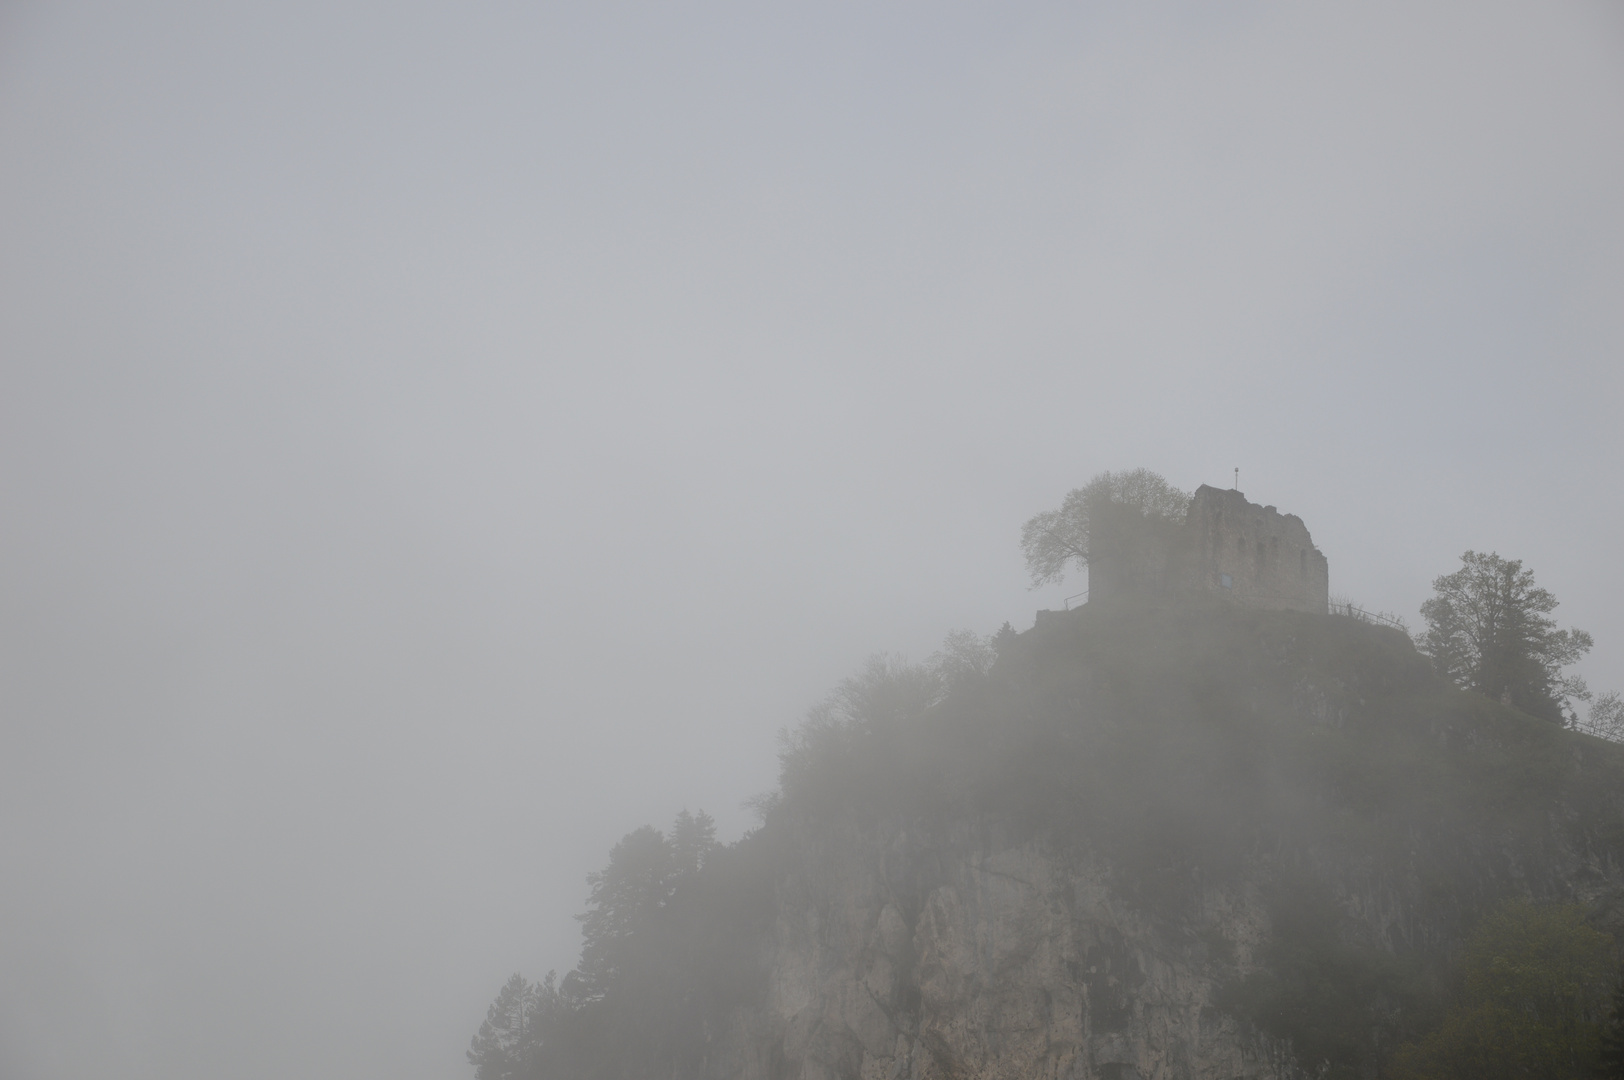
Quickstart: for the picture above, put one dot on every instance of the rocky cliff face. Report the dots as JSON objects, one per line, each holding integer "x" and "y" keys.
{"x": 963, "y": 950}
{"x": 1017, "y": 963}
{"x": 1176, "y": 842}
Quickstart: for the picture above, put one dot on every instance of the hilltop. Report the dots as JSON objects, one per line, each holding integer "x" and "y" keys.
{"x": 1165, "y": 838}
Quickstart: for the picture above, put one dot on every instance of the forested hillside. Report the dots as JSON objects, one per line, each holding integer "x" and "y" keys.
{"x": 1152, "y": 839}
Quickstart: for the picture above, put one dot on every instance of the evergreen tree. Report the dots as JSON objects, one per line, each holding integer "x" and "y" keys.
{"x": 625, "y": 896}
{"x": 693, "y": 837}
{"x": 501, "y": 1049}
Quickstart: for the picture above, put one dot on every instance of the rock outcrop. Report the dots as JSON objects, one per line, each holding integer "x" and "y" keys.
{"x": 1179, "y": 841}
{"x": 961, "y": 949}
{"x": 1019, "y": 964}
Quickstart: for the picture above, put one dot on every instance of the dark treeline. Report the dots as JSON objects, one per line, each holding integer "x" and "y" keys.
{"x": 669, "y": 948}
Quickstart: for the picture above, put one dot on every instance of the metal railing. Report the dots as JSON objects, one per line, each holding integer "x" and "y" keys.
{"x": 1612, "y": 731}
{"x": 1353, "y": 611}
{"x": 1346, "y": 608}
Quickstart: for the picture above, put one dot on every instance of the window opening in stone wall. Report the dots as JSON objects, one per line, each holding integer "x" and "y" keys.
{"x": 1240, "y": 546}
{"x": 1225, "y": 581}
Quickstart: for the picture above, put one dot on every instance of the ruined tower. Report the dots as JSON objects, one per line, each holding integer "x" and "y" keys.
{"x": 1252, "y": 554}
{"x": 1255, "y": 554}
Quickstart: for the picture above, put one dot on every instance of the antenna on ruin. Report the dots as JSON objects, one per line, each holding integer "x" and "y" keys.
{"x": 1237, "y": 478}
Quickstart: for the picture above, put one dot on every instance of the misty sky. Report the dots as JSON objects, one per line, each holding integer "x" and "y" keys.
{"x": 436, "y": 440}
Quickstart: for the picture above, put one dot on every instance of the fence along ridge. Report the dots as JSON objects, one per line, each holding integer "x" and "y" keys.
{"x": 1345, "y": 608}
{"x": 1354, "y": 611}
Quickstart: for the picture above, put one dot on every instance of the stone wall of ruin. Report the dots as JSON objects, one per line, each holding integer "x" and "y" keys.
{"x": 1255, "y": 554}
{"x": 1252, "y": 554}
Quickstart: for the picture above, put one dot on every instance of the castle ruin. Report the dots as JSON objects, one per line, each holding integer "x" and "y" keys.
{"x": 1225, "y": 545}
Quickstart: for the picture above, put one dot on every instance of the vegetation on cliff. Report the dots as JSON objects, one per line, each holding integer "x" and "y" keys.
{"x": 1189, "y": 746}
{"x": 1530, "y": 1000}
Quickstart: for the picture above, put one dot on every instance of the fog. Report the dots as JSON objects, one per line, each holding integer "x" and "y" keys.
{"x": 438, "y": 440}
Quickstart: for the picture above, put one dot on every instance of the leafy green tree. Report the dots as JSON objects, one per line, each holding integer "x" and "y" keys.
{"x": 1534, "y": 988}
{"x": 1489, "y": 629}
{"x": 1056, "y": 541}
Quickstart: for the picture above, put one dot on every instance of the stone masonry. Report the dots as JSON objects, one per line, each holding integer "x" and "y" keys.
{"x": 1253, "y": 554}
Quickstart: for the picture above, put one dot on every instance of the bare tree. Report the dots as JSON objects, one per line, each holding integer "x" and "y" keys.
{"x": 1057, "y": 540}
{"x": 1606, "y": 719}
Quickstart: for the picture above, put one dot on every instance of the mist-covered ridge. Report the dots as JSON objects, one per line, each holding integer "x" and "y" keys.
{"x": 1141, "y": 839}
